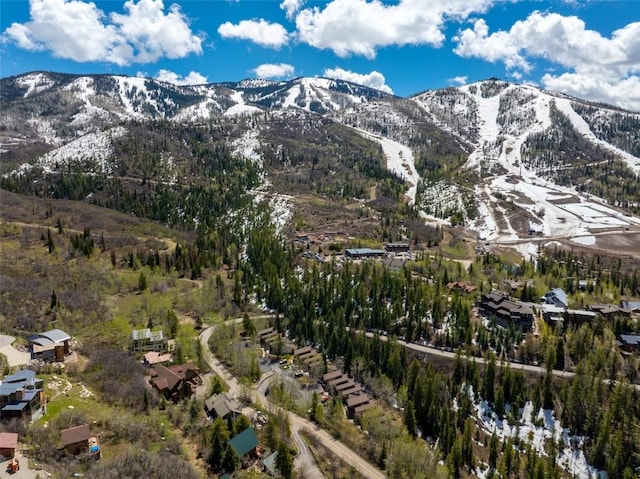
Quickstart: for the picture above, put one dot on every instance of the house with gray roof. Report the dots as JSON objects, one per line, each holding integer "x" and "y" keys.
{"x": 147, "y": 340}
{"x": 507, "y": 311}
{"x": 22, "y": 396}
{"x": 630, "y": 343}
{"x": 221, "y": 405}
{"x": 558, "y": 297}
{"x": 52, "y": 345}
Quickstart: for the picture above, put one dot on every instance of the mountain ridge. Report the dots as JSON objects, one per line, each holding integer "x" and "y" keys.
{"x": 458, "y": 150}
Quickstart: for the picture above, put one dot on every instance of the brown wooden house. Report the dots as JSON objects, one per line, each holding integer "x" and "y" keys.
{"x": 75, "y": 440}
{"x": 175, "y": 382}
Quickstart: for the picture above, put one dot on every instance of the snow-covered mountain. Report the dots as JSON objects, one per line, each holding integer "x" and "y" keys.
{"x": 506, "y": 160}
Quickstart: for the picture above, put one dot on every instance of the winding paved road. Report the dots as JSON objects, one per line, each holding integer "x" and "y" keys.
{"x": 433, "y": 351}
{"x": 304, "y": 461}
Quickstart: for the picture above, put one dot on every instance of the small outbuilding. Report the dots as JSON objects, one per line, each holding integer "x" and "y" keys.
{"x": 75, "y": 440}
{"x": 8, "y": 445}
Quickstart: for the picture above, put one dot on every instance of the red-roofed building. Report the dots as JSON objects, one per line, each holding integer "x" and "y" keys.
{"x": 177, "y": 381}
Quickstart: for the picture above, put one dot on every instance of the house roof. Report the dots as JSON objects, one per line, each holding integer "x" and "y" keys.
{"x": 631, "y": 305}
{"x": 264, "y": 332}
{"x": 355, "y": 401}
{"x": 8, "y": 440}
{"x": 20, "y": 376}
{"x": 49, "y": 338}
{"x": 270, "y": 462}
{"x": 347, "y": 385}
{"x": 19, "y": 406}
{"x": 630, "y": 339}
{"x": 138, "y": 334}
{"x": 363, "y": 407}
{"x": 182, "y": 369}
{"x": 222, "y": 404}
{"x": 74, "y": 435}
{"x": 353, "y": 390}
{"x": 365, "y": 252}
{"x": 244, "y": 442}
{"x": 332, "y": 375}
{"x": 146, "y": 333}
{"x": 462, "y": 286}
{"x": 303, "y": 350}
{"x": 17, "y": 381}
{"x": 552, "y": 309}
{"x": 558, "y": 294}
{"x": 165, "y": 378}
{"x": 339, "y": 380}
{"x": 604, "y": 308}
{"x": 154, "y": 357}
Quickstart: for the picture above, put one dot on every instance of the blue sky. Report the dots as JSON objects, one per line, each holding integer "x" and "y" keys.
{"x": 590, "y": 49}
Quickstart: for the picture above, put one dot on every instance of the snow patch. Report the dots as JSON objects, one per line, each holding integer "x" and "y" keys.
{"x": 240, "y": 108}
{"x": 399, "y": 161}
{"x": 83, "y": 88}
{"x": 281, "y": 208}
{"x": 564, "y": 105}
{"x": 35, "y": 83}
{"x": 537, "y": 430}
{"x": 94, "y": 148}
{"x": 248, "y": 146}
{"x": 584, "y": 240}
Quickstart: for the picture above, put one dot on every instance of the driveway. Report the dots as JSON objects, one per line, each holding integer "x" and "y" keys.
{"x": 14, "y": 356}
{"x": 24, "y": 472}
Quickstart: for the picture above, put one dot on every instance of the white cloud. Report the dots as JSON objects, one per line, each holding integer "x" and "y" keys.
{"x": 79, "y": 31}
{"x": 598, "y": 66}
{"x": 360, "y": 27}
{"x": 193, "y": 78}
{"x": 459, "y": 80}
{"x": 69, "y": 29}
{"x": 623, "y": 92}
{"x": 259, "y": 31}
{"x": 374, "y": 79}
{"x": 291, "y": 7}
{"x": 154, "y": 34}
{"x": 274, "y": 70}
{"x": 495, "y": 47}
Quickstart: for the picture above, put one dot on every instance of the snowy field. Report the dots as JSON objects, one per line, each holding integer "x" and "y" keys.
{"x": 537, "y": 429}
{"x": 576, "y": 221}
{"x": 95, "y": 148}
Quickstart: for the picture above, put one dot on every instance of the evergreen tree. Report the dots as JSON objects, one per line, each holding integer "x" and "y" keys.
{"x": 219, "y": 436}
{"x": 51, "y": 246}
{"x": 230, "y": 459}
{"x": 493, "y": 451}
{"x": 467, "y": 443}
{"x": 142, "y": 281}
{"x": 382, "y": 458}
{"x": 489, "y": 379}
{"x": 284, "y": 461}
{"x": 172, "y": 320}
{"x": 55, "y": 302}
{"x": 410, "y": 419}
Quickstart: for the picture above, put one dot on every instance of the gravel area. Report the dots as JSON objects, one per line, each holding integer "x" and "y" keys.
{"x": 14, "y": 356}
